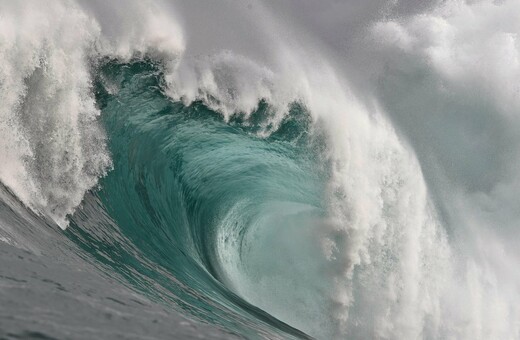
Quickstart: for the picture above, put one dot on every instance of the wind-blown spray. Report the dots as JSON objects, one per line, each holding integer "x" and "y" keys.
{"x": 349, "y": 169}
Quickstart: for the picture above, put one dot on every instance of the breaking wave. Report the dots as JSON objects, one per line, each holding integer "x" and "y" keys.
{"x": 280, "y": 170}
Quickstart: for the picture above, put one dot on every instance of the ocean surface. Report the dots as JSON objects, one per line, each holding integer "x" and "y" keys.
{"x": 174, "y": 169}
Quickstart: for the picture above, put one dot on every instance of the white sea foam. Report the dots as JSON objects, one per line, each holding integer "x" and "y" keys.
{"x": 419, "y": 104}
{"x": 52, "y": 146}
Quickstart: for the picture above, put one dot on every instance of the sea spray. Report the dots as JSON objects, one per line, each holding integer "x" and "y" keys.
{"x": 351, "y": 173}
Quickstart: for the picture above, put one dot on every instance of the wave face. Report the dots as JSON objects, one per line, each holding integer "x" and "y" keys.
{"x": 279, "y": 170}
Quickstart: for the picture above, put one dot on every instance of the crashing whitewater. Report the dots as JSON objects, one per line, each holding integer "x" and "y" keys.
{"x": 278, "y": 170}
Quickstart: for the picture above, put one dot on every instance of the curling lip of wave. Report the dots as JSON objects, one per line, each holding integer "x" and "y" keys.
{"x": 372, "y": 227}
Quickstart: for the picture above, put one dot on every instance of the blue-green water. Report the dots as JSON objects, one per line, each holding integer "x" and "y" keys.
{"x": 259, "y": 169}
{"x": 191, "y": 197}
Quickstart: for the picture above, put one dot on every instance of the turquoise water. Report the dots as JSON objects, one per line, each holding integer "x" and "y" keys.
{"x": 193, "y": 199}
{"x": 261, "y": 169}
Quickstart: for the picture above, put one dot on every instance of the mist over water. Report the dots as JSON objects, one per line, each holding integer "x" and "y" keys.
{"x": 340, "y": 169}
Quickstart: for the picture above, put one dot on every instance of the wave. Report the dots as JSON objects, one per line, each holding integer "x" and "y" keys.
{"x": 348, "y": 173}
